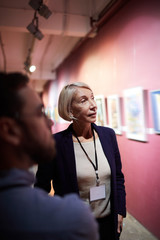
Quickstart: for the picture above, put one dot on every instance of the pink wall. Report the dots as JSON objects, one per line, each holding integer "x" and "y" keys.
{"x": 125, "y": 54}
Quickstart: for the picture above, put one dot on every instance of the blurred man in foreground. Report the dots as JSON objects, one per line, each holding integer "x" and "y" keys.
{"x": 26, "y": 139}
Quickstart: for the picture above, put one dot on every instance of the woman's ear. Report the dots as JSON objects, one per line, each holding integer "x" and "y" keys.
{"x": 71, "y": 115}
{"x": 10, "y": 131}
{"x": 71, "y": 111}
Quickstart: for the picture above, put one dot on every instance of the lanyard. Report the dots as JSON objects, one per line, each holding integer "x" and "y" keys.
{"x": 95, "y": 166}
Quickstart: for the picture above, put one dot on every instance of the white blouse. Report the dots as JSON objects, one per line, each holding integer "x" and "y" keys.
{"x": 87, "y": 177}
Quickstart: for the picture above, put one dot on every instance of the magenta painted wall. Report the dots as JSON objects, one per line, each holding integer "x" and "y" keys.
{"x": 126, "y": 54}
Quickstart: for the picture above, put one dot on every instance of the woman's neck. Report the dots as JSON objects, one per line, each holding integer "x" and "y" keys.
{"x": 83, "y": 131}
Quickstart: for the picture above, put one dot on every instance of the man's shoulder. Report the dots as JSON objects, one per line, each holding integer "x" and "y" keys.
{"x": 45, "y": 215}
{"x": 68, "y": 204}
{"x": 68, "y": 214}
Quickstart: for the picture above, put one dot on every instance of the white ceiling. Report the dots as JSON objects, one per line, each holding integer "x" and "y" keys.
{"x": 68, "y": 24}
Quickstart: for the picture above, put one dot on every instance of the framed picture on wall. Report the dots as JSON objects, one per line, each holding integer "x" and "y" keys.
{"x": 49, "y": 111}
{"x": 52, "y": 113}
{"x": 101, "y": 110}
{"x": 114, "y": 115}
{"x": 135, "y": 114}
{"x": 155, "y": 101}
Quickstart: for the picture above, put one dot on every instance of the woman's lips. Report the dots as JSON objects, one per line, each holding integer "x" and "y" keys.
{"x": 93, "y": 114}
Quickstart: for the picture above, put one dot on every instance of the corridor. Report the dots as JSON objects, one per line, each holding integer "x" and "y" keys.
{"x": 133, "y": 230}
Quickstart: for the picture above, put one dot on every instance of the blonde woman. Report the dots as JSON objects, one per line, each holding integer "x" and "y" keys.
{"x": 88, "y": 161}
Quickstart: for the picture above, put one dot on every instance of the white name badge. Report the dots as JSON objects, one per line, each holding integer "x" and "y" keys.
{"x": 97, "y": 193}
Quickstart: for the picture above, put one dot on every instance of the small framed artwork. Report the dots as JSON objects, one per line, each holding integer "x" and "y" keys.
{"x": 135, "y": 114}
{"x": 155, "y": 101}
{"x": 114, "y": 116}
{"x": 101, "y": 110}
{"x": 49, "y": 111}
{"x": 52, "y": 113}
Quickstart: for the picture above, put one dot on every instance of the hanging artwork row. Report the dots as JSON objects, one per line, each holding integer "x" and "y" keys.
{"x": 110, "y": 109}
{"x": 134, "y": 109}
{"x": 134, "y": 113}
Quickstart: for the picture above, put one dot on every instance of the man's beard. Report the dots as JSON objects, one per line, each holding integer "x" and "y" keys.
{"x": 38, "y": 151}
{"x": 41, "y": 154}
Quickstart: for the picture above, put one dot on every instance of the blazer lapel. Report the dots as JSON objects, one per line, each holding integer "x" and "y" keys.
{"x": 105, "y": 142}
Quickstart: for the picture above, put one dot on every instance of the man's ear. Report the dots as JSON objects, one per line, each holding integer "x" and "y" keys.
{"x": 10, "y": 132}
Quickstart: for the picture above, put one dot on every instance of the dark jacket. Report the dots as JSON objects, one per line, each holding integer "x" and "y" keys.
{"x": 63, "y": 169}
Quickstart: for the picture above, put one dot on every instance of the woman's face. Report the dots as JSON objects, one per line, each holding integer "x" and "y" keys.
{"x": 84, "y": 107}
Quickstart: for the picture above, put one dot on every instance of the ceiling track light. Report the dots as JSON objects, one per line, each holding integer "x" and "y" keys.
{"x": 28, "y": 67}
{"x": 27, "y": 64}
{"x": 33, "y": 27}
{"x": 42, "y": 9}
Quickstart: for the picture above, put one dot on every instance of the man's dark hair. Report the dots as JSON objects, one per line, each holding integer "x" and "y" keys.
{"x": 10, "y": 101}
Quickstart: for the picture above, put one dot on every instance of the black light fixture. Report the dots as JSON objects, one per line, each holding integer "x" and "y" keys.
{"x": 42, "y": 9}
{"x": 33, "y": 27}
{"x": 27, "y": 64}
{"x": 28, "y": 67}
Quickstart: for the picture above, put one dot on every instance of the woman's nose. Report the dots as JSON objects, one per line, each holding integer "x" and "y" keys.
{"x": 93, "y": 104}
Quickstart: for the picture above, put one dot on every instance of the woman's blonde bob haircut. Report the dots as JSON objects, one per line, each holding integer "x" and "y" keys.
{"x": 66, "y": 97}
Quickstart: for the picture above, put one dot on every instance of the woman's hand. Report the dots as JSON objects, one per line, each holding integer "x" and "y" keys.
{"x": 120, "y": 223}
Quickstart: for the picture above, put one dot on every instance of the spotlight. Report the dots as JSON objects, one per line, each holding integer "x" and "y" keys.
{"x": 26, "y": 66}
{"x": 35, "y": 31}
{"x": 32, "y": 68}
{"x": 29, "y": 68}
{"x": 42, "y": 9}
{"x": 35, "y": 4}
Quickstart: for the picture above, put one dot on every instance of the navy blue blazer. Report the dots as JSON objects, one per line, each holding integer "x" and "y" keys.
{"x": 63, "y": 169}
